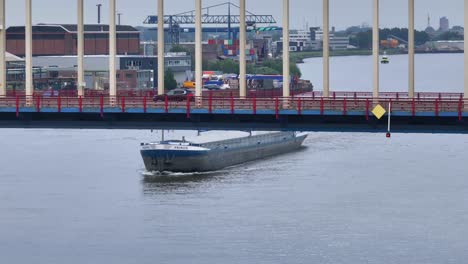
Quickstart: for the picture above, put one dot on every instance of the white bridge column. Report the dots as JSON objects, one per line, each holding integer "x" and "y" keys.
{"x": 29, "y": 86}
{"x": 242, "y": 55}
{"x": 411, "y": 49}
{"x": 286, "y": 73}
{"x": 326, "y": 48}
{"x": 161, "y": 46}
{"x": 198, "y": 48}
{"x": 112, "y": 52}
{"x": 466, "y": 52}
{"x": 3, "y": 69}
{"x": 375, "y": 49}
{"x": 80, "y": 53}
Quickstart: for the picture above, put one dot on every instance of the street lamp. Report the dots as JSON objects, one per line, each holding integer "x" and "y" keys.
{"x": 119, "y": 15}
{"x": 99, "y": 13}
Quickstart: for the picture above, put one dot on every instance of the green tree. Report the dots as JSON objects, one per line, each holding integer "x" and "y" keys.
{"x": 226, "y": 66}
{"x": 266, "y": 67}
{"x": 261, "y": 70}
{"x": 277, "y": 65}
{"x": 363, "y": 40}
{"x": 169, "y": 80}
{"x": 449, "y": 36}
{"x": 178, "y": 48}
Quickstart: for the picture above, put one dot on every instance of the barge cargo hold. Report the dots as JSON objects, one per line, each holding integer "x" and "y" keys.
{"x": 186, "y": 156}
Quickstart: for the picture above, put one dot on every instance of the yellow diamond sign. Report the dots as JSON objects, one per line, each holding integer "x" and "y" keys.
{"x": 379, "y": 111}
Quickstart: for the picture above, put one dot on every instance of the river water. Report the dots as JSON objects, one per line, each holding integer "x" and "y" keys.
{"x": 433, "y": 73}
{"x": 80, "y": 196}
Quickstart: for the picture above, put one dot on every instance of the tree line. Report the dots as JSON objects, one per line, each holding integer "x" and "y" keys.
{"x": 363, "y": 40}
{"x": 271, "y": 66}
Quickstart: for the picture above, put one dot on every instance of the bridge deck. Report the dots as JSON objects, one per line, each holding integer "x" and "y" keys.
{"x": 344, "y": 111}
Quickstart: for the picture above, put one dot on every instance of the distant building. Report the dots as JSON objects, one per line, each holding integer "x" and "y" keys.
{"x": 336, "y": 43}
{"x": 445, "y": 45}
{"x": 61, "y": 40}
{"x": 10, "y": 58}
{"x": 133, "y": 71}
{"x": 444, "y": 24}
{"x": 301, "y": 40}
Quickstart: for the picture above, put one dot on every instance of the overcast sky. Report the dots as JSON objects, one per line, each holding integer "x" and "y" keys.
{"x": 344, "y": 13}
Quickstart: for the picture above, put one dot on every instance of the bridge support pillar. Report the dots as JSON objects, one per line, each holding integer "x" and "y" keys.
{"x": 198, "y": 49}
{"x": 242, "y": 55}
{"x": 112, "y": 53}
{"x": 375, "y": 49}
{"x": 161, "y": 45}
{"x": 29, "y": 85}
{"x": 466, "y": 54}
{"x": 326, "y": 48}
{"x": 3, "y": 69}
{"x": 411, "y": 49}
{"x": 80, "y": 81}
{"x": 286, "y": 72}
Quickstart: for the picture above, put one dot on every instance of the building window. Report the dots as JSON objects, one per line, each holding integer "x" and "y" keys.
{"x": 132, "y": 63}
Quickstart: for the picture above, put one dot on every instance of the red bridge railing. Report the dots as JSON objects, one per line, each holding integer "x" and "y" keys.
{"x": 427, "y": 103}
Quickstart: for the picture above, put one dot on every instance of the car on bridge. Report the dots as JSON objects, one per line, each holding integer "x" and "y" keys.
{"x": 175, "y": 95}
{"x": 212, "y": 86}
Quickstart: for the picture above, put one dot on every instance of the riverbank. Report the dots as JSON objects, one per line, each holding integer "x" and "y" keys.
{"x": 299, "y": 57}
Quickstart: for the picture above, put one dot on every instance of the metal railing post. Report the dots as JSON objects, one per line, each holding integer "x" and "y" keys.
{"x": 17, "y": 106}
{"x": 321, "y": 106}
{"x": 344, "y": 106}
{"x": 232, "y": 104}
{"x": 254, "y": 105}
{"x": 59, "y": 104}
{"x": 277, "y": 108}
{"x": 189, "y": 98}
{"x": 166, "y": 104}
{"x": 80, "y": 104}
{"x": 101, "y": 105}
{"x": 367, "y": 109}
{"x": 299, "y": 106}
{"x": 210, "y": 102}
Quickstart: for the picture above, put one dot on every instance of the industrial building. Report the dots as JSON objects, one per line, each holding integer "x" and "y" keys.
{"x": 312, "y": 39}
{"x": 133, "y": 71}
{"x": 61, "y": 40}
{"x": 445, "y": 45}
{"x": 60, "y": 72}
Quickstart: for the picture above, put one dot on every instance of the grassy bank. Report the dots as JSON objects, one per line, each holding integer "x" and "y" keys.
{"x": 299, "y": 57}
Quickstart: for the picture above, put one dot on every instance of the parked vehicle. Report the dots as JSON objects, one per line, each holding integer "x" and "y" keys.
{"x": 211, "y": 86}
{"x": 188, "y": 84}
{"x": 175, "y": 95}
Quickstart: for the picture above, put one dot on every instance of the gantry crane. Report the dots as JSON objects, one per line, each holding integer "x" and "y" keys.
{"x": 185, "y": 18}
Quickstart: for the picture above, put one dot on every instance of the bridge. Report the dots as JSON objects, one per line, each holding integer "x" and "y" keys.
{"x": 343, "y": 111}
{"x": 323, "y": 111}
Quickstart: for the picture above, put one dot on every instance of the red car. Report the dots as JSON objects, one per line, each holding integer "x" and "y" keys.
{"x": 176, "y": 95}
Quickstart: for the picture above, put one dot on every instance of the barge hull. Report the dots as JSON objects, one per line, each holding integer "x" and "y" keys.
{"x": 220, "y": 155}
